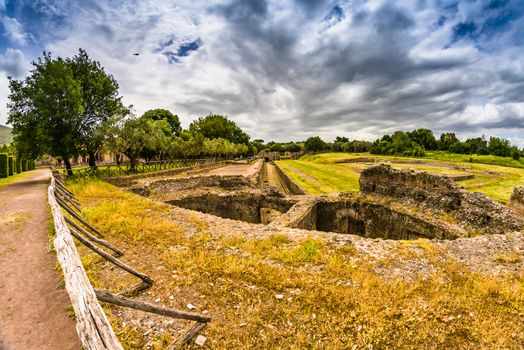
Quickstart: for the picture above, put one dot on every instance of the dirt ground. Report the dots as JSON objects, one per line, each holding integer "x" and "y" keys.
{"x": 33, "y": 312}
{"x": 235, "y": 169}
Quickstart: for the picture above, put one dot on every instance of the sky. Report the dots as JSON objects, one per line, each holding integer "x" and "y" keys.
{"x": 287, "y": 70}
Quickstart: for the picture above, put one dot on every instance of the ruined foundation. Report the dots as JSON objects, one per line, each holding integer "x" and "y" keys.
{"x": 392, "y": 204}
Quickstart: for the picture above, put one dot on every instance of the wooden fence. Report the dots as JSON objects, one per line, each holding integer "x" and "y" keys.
{"x": 92, "y": 325}
{"x": 122, "y": 169}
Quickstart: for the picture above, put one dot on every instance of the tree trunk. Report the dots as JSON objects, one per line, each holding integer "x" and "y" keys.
{"x": 132, "y": 166}
{"x": 68, "y": 165}
{"x": 92, "y": 160}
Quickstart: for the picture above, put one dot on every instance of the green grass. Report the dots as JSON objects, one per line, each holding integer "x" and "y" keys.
{"x": 320, "y": 174}
{"x": 11, "y": 179}
{"x": 332, "y": 297}
{"x": 478, "y": 159}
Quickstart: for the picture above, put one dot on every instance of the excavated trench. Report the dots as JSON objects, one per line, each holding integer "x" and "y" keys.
{"x": 250, "y": 207}
{"x": 370, "y": 220}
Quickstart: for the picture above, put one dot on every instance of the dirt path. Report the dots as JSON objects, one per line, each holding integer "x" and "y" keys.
{"x": 33, "y": 310}
{"x": 235, "y": 169}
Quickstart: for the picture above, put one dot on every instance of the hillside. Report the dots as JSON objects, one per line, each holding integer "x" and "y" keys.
{"x": 5, "y": 135}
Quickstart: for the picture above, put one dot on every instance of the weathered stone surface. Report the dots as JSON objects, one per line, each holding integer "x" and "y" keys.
{"x": 440, "y": 194}
{"x": 517, "y": 198}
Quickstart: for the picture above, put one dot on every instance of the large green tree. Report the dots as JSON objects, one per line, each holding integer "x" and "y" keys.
{"x": 164, "y": 114}
{"x": 46, "y": 110}
{"x": 314, "y": 144}
{"x": 60, "y": 107}
{"x": 217, "y": 126}
{"x": 101, "y": 102}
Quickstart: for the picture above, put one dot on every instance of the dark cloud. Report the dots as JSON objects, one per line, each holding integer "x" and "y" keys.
{"x": 291, "y": 69}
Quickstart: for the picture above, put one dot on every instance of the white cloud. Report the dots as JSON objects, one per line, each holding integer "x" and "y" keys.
{"x": 13, "y": 63}
{"x": 14, "y": 31}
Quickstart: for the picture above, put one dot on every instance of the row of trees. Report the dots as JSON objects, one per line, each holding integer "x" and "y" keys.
{"x": 71, "y": 107}
{"x": 316, "y": 144}
{"x": 157, "y": 135}
{"x": 416, "y": 142}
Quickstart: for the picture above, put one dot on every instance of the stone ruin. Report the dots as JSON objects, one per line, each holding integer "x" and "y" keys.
{"x": 391, "y": 204}
{"x": 439, "y": 194}
{"x": 517, "y": 199}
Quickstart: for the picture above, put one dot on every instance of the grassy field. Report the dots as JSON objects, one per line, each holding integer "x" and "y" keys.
{"x": 321, "y": 174}
{"x": 276, "y": 291}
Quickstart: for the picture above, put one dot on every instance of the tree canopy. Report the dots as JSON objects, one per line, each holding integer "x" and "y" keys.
{"x": 314, "y": 144}
{"x": 164, "y": 114}
{"x": 59, "y": 108}
{"x": 216, "y": 126}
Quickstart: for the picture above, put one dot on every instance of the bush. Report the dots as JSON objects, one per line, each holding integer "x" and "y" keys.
{"x": 10, "y": 162}
{"x": 515, "y": 153}
{"x": 4, "y": 165}
{"x": 24, "y": 165}
{"x": 19, "y": 165}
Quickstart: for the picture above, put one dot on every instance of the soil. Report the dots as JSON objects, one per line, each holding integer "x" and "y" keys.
{"x": 235, "y": 169}
{"x": 33, "y": 313}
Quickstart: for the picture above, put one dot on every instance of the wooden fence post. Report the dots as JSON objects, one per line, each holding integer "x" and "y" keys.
{"x": 92, "y": 325}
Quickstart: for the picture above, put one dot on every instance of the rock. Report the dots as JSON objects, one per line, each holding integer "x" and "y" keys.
{"x": 157, "y": 300}
{"x": 200, "y": 340}
{"x": 191, "y": 306}
{"x": 279, "y": 296}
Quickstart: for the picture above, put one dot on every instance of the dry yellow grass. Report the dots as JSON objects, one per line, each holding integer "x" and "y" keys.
{"x": 332, "y": 296}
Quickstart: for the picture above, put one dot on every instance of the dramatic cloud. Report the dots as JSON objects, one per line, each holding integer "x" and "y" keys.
{"x": 291, "y": 69}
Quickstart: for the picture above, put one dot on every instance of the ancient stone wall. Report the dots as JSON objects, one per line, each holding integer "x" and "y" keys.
{"x": 290, "y": 184}
{"x": 438, "y": 193}
{"x": 517, "y": 198}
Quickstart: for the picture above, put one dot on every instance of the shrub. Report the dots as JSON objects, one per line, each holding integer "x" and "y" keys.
{"x": 515, "y": 153}
{"x": 10, "y": 162}
{"x": 4, "y": 165}
{"x": 19, "y": 165}
{"x": 24, "y": 165}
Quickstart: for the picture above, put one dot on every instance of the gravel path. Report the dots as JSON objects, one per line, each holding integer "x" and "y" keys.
{"x": 33, "y": 309}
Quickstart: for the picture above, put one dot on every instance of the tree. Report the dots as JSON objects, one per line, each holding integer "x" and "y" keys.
{"x": 217, "y": 126}
{"x": 499, "y": 147}
{"x": 446, "y": 140}
{"x": 101, "y": 102}
{"x": 131, "y": 137}
{"x": 46, "y": 110}
{"x": 164, "y": 114}
{"x": 424, "y": 138}
{"x": 314, "y": 144}
{"x": 61, "y": 106}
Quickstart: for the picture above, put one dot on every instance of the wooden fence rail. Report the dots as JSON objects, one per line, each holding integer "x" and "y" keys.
{"x": 93, "y": 328}
{"x": 122, "y": 169}
{"x": 92, "y": 325}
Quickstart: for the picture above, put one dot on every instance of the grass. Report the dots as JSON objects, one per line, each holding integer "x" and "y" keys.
{"x": 332, "y": 296}
{"x": 321, "y": 174}
{"x": 10, "y": 179}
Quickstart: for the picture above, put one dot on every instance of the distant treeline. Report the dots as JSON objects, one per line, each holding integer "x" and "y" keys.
{"x": 412, "y": 143}
{"x": 417, "y": 142}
